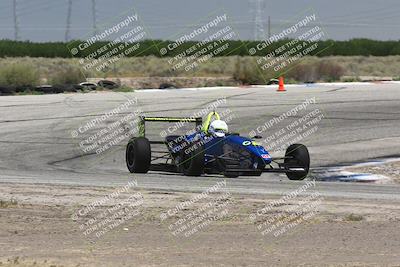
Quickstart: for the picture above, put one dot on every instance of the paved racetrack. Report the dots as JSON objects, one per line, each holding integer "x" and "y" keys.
{"x": 360, "y": 122}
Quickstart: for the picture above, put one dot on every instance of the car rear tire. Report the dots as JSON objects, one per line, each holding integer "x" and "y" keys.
{"x": 138, "y": 155}
{"x": 300, "y": 158}
{"x": 192, "y": 164}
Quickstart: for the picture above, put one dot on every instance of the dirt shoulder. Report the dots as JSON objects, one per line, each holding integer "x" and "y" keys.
{"x": 52, "y": 225}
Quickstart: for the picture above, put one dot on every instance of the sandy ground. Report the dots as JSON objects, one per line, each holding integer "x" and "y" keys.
{"x": 39, "y": 226}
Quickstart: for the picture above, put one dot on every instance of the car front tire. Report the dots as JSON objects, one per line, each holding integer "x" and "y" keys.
{"x": 138, "y": 155}
{"x": 297, "y": 156}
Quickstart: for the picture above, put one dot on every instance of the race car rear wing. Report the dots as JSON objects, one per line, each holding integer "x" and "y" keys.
{"x": 143, "y": 119}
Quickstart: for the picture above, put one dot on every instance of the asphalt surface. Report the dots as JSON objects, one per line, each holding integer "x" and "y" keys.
{"x": 359, "y": 123}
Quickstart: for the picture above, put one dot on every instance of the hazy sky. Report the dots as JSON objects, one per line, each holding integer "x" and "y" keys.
{"x": 45, "y": 20}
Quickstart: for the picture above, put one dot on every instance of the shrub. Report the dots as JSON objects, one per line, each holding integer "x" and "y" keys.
{"x": 349, "y": 79}
{"x": 19, "y": 75}
{"x": 8, "y": 203}
{"x": 329, "y": 71}
{"x": 302, "y": 72}
{"x": 68, "y": 75}
{"x": 125, "y": 89}
{"x": 312, "y": 72}
{"x": 354, "y": 217}
{"x": 247, "y": 72}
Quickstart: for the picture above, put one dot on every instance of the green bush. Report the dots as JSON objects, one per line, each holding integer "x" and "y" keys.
{"x": 67, "y": 75}
{"x": 303, "y": 72}
{"x": 353, "y": 47}
{"x": 19, "y": 75}
{"x": 354, "y": 217}
{"x": 313, "y": 72}
{"x": 247, "y": 72}
{"x": 329, "y": 71}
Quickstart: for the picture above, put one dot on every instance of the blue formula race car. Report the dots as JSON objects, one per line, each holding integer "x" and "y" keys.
{"x": 198, "y": 152}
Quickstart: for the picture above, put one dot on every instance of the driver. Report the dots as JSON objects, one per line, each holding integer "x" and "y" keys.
{"x": 216, "y": 128}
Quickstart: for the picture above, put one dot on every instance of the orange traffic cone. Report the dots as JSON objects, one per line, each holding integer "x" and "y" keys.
{"x": 281, "y": 85}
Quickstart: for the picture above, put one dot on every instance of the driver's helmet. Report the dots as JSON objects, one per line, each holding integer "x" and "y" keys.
{"x": 218, "y": 128}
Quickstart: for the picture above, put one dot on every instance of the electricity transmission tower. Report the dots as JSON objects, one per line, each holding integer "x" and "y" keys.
{"x": 94, "y": 17}
{"x": 257, "y": 8}
{"x": 69, "y": 14}
{"x": 16, "y": 21}
{"x": 68, "y": 27}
